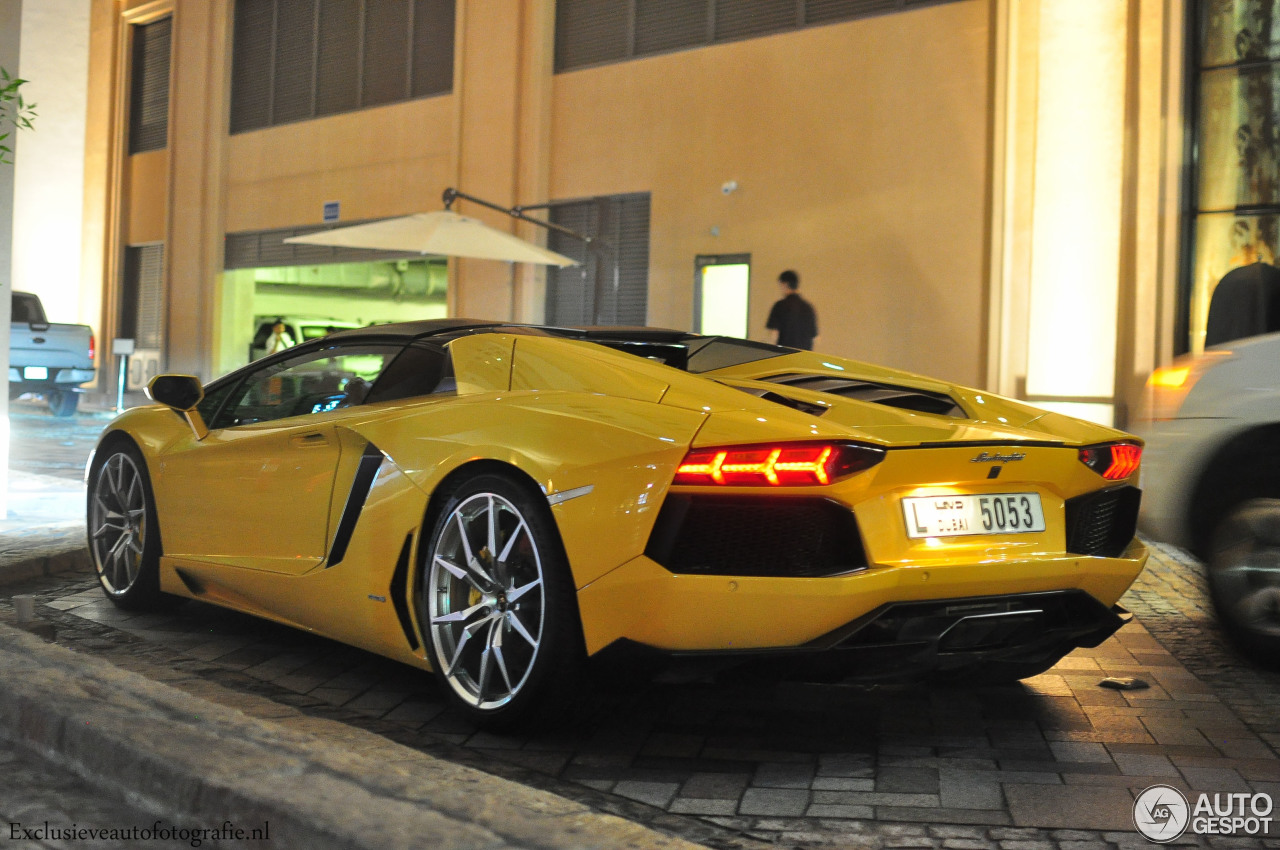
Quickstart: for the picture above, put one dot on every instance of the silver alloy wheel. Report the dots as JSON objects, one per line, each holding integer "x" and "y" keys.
{"x": 486, "y": 600}
{"x": 118, "y": 523}
{"x": 1245, "y": 569}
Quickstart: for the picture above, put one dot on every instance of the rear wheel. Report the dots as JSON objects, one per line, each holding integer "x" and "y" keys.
{"x": 124, "y": 535}
{"x": 498, "y": 606}
{"x": 63, "y": 402}
{"x": 1244, "y": 577}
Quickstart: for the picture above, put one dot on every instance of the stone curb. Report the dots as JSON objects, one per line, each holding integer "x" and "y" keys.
{"x": 318, "y": 783}
{"x": 57, "y": 559}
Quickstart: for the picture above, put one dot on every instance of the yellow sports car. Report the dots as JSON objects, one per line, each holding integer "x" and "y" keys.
{"x": 498, "y": 503}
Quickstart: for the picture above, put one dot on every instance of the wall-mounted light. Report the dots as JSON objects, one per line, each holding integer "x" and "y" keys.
{"x": 729, "y": 187}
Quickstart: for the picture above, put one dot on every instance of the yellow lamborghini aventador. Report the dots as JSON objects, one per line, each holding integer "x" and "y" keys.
{"x": 497, "y": 503}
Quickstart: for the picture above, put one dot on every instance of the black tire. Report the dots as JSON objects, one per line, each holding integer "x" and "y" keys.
{"x": 501, "y": 627}
{"x": 124, "y": 533}
{"x": 62, "y": 403}
{"x": 1244, "y": 578}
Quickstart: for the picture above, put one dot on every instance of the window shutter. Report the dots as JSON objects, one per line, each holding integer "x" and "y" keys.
{"x": 251, "y": 64}
{"x": 142, "y": 296}
{"x": 338, "y": 57}
{"x": 612, "y": 285}
{"x": 432, "y": 47}
{"x": 663, "y": 25}
{"x": 589, "y": 32}
{"x": 386, "y": 52}
{"x": 746, "y": 18}
{"x": 295, "y": 61}
{"x": 149, "y": 90}
{"x": 632, "y": 300}
{"x": 827, "y": 11}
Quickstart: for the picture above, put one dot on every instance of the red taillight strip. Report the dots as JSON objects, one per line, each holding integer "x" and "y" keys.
{"x": 774, "y": 466}
{"x": 1124, "y": 461}
{"x": 1113, "y": 461}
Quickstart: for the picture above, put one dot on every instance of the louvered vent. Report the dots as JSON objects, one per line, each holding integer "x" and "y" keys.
{"x": 266, "y": 248}
{"x": 142, "y": 296}
{"x": 591, "y": 32}
{"x": 299, "y": 59}
{"x": 611, "y": 287}
{"x": 906, "y": 398}
{"x": 595, "y": 32}
{"x": 149, "y": 89}
{"x": 664, "y": 25}
{"x": 737, "y": 19}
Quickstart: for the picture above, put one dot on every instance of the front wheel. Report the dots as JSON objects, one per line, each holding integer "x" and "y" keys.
{"x": 124, "y": 534}
{"x": 498, "y": 606}
{"x": 1244, "y": 578}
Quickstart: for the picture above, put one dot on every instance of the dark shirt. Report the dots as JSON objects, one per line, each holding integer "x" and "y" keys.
{"x": 795, "y": 321}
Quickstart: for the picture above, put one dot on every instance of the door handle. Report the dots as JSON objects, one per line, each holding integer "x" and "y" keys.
{"x": 309, "y": 440}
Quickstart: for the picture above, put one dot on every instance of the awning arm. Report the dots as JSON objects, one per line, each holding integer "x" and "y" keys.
{"x": 451, "y": 195}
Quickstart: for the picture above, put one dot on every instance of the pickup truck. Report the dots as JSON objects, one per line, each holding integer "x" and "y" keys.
{"x": 50, "y": 360}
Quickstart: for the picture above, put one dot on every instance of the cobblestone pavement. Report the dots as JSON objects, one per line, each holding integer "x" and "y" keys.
{"x": 1052, "y": 762}
{"x": 39, "y": 805}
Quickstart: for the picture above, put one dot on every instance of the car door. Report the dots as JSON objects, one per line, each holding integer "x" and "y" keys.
{"x": 256, "y": 491}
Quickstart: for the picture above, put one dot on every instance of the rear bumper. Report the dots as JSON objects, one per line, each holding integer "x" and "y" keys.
{"x": 57, "y": 378}
{"x": 647, "y": 604}
{"x": 908, "y": 640}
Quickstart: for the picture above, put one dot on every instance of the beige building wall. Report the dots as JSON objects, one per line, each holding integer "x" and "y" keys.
{"x": 893, "y": 161}
{"x": 861, "y": 153}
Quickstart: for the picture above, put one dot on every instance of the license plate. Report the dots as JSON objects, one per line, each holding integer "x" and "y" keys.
{"x": 954, "y": 516}
{"x": 35, "y": 373}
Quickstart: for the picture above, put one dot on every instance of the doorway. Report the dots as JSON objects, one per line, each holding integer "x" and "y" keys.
{"x": 722, "y": 294}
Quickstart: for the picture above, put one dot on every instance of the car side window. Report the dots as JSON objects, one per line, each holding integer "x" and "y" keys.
{"x": 420, "y": 370}
{"x": 310, "y": 383}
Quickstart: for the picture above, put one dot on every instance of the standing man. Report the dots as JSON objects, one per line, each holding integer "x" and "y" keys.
{"x": 793, "y": 318}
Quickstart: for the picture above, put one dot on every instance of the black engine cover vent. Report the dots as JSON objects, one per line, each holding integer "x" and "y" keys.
{"x": 792, "y": 537}
{"x": 1103, "y": 522}
{"x": 906, "y": 398}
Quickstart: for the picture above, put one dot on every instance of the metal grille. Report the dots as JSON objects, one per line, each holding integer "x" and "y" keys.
{"x": 611, "y": 287}
{"x": 300, "y": 59}
{"x": 1102, "y": 523}
{"x": 149, "y": 86}
{"x": 142, "y": 296}
{"x": 753, "y": 536}
{"x": 596, "y": 32}
{"x": 259, "y": 249}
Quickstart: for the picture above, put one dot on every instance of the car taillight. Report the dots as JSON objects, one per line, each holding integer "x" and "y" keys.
{"x": 780, "y": 465}
{"x": 1114, "y": 462}
{"x": 93, "y": 347}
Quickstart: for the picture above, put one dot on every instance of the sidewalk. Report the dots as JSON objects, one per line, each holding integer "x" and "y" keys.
{"x": 221, "y": 755}
{"x": 43, "y": 532}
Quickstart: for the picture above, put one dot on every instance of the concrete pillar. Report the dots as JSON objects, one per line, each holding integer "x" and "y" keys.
{"x": 1085, "y": 181}
{"x": 501, "y": 82}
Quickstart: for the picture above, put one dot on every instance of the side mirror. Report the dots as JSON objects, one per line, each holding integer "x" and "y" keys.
{"x": 182, "y": 393}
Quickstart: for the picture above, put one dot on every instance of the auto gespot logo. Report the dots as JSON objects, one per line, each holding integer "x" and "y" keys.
{"x": 1162, "y": 814}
